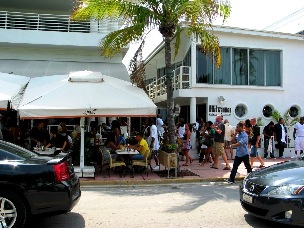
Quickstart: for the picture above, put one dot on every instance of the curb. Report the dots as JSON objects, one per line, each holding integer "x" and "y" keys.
{"x": 165, "y": 181}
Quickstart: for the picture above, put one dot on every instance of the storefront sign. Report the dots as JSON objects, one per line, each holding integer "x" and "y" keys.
{"x": 216, "y": 110}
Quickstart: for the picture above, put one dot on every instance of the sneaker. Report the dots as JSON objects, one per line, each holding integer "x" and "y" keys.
{"x": 229, "y": 181}
{"x": 156, "y": 168}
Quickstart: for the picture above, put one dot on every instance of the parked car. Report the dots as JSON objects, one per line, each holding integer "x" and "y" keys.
{"x": 31, "y": 184}
{"x": 276, "y": 193}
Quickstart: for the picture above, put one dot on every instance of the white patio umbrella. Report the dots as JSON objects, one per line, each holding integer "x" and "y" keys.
{"x": 83, "y": 94}
{"x": 11, "y": 88}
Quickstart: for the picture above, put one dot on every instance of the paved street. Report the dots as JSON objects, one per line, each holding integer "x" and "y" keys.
{"x": 176, "y": 205}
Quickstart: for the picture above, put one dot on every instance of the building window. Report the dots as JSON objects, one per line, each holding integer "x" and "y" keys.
{"x": 240, "y": 111}
{"x": 294, "y": 111}
{"x": 241, "y": 66}
{"x": 256, "y": 67}
{"x": 267, "y": 111}
{"x": 221, "y": 75}
{"x": 204, "y": 68}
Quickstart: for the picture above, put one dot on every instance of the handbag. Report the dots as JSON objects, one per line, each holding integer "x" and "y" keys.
{"x": 207, "y": 142}
{"x": 202, "y": 139}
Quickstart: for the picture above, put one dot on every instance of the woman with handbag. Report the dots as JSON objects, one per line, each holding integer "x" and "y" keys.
{"x": 208, "y": 142}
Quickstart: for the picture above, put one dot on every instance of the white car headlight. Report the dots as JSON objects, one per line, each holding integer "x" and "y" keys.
{"x": 286, "y": 190}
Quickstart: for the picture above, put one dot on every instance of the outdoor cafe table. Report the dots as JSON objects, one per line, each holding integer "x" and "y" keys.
{"x": 127, "y": 157}
{"x": 46, "y": 151}
{"x": 127, "y": 152}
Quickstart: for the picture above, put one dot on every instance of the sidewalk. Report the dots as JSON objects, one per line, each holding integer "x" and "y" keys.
{"x": 205, "y": 173}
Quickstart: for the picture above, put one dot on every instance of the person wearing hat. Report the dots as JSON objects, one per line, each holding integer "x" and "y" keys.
{"x": 268, "y": 132}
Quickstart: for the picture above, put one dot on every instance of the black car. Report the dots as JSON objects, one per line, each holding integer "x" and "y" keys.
{"x": 276, "y": 193}
{"x": 31, "y": 184}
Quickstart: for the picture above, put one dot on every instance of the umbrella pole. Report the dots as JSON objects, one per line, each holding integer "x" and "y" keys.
{"x": 82, "y": 120}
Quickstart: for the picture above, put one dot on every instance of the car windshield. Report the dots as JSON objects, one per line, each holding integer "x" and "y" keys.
{"x": 19, "y": 151}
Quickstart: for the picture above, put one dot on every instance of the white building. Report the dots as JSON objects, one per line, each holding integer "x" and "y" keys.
{"x": 38, "y": 38}
{"x": 260, "y": 72}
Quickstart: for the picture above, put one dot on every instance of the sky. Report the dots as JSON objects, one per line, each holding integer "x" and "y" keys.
{"x": 251, "y": 14}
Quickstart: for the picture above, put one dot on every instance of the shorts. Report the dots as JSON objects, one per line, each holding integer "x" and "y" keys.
{"x": 218, "y": 148}
{"x": 227, "y": 143}
{"x": 254, "y": 152}
{"x": 185, "y": 146}
{"x": 299, "y": 143}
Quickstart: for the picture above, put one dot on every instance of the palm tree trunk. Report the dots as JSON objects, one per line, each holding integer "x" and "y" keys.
{"x": 170, "y": 104}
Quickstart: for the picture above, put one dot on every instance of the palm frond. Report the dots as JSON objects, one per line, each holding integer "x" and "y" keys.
{"x": 115, "y": 41}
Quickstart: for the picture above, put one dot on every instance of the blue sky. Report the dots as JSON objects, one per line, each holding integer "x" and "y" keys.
{"x": 251, "y": 14}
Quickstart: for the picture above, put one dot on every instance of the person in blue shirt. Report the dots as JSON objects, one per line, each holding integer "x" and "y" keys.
{"x": 242, "y": 153}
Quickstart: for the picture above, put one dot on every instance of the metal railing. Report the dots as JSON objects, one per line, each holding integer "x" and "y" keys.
{"x": 181, "y": 80}
{"x": 50, "y": 22}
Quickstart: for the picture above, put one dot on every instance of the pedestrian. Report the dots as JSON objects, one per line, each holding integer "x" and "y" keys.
{"x": 180, "y": 135}
{"x": 242, "y": 153}
{"x": 298, "y": 135}
{"x": 187, "y": 144}
{"x": 255, "y": 143}
{"x": 268, "y": 133}
{"x": 154, "y": 143}
{"x": 160, "y": 125}
{"x": 229, "y": 133}
{"x": 280, "y": 136}
{"x": 209, "y": 143}
{"x": 219, "y": 128}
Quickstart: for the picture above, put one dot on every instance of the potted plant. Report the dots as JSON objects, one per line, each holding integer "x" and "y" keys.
{"x": 169, "y": 148}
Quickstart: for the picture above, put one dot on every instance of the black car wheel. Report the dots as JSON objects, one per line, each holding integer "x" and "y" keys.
{"x": 12, "y": 210}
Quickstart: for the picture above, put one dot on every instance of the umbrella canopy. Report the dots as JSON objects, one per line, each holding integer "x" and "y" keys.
{"x": 83, "y": 94}
{"x": 12, "y": 86}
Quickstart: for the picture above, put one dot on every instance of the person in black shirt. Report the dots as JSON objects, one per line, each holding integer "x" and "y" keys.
{"x": 268, "y": 132}
{"x": 39, "y": 135}
{"x": 58, "y": 140}
{"x": 255, "y": 143}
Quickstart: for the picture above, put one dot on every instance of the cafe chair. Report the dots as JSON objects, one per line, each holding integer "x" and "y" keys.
{"x": 143, "y": 163}
{"x": 104, "y": 158}
{"x": 114, "y": 164}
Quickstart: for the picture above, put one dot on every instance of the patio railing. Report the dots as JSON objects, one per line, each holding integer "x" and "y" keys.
{"x": 50, "y": 22}
{"x": 181, "y": 80}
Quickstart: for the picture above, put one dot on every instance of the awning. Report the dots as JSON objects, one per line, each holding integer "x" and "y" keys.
{"x": 37, "y": 68}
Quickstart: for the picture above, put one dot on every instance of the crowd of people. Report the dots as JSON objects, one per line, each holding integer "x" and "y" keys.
{"x": 213, "y": 140}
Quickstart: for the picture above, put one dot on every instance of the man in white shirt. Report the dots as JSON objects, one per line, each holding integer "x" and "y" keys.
{"x": 160, "y": 125}
{"x": 154, "y": 143}
{"x": 298, "y": 135}
{"x": 229, "y": 132}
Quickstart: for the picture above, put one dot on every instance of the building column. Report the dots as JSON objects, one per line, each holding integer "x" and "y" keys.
{"x": 193, "y": 62}
{"x": 192, "y": 109}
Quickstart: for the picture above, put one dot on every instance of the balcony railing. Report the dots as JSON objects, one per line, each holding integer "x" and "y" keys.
{"x": 50, "y": 22}
{"x": 180, "y": 80}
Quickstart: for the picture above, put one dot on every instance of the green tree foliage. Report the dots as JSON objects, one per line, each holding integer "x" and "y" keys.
{"x": 168, "y": 16}
{"x": 289, "y": 121}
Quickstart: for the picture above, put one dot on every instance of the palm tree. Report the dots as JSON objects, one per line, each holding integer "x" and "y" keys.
{"x": 169, "y": 17}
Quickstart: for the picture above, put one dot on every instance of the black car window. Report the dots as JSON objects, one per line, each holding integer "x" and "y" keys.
{"x": 4, "y": 155}
{"x": 16, "y": 150}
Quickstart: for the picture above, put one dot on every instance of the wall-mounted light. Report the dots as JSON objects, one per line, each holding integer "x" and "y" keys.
{"x": 221, "y": 99}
